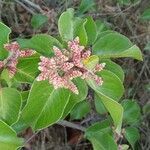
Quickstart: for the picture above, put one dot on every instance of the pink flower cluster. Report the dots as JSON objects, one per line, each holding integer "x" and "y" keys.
{"x": 67, "y": 65}
{"x": 14, "y": 53}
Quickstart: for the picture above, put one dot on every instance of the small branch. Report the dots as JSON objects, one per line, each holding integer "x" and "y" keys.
{"x": 33, "y": 5}
{"x": 25, "y": 7}
{"x": 28, "y": 140}
{"x": 71, "y": 125}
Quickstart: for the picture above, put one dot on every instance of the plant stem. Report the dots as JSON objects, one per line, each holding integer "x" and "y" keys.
{"x": 71, "y": 125}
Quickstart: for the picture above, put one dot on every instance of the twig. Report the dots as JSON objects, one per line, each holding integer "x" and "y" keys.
{"x": 71, "y": 125}
{"x": 33, "y": 5}
{"x": 25, "y": 7}
{"x": 28, "y": 140}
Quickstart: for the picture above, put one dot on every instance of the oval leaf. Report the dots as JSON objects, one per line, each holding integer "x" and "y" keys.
{"x": 27, "y": 69}
{"x": 132, "y": 135}
{"x": 80, "y": 110}
{"x": 74, "y": 98}
{"x": 91, "y": 31}
{"x": 4, "y": 38}
{"x": 10, "y": 105}
{"x": 38, "y": 20}
{"x": 8, "y": 138}
{"x": 81, "y": 32}
{"x": 115, "y": 45}
{"x": 41, "y": 43}
{"x": 65, "y": 25}
{"x": 101, "y": 141}
{"x": 110, "y": 92}
{"x": 131, "y": 112}
{"x": 115, "y": 68}
{"x": 43, "y": 108}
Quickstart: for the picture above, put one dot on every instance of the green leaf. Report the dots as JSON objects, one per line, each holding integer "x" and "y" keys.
{"x": 41, "y": 43}
{"x": 146, "y": 14}
{"x": 115, "y": 68}
{"x": 91, "y": 31}
{"x": 6, "y": 77}
{"x": 8, "y": 138}
{"x": 38, "y": 20}
{"x": 131, "y": 112}
{"x": 27, "y": 69}
{"x": 132, "y": 135}
{"x": 103, "y": 126}
{"x": 65, "y": 25}
{"x": 24, "y": 95}
{"x": 85, "y": 6}
{"x": 100, "y": 26}
{"x": 4, "y": 38}
{"x": 100, "y": 108}
{"x": 81, "y": 32}
{"x": 74, "y": 98}
{"x": 110, "y": 92}
{"x": 101, "y": 141}
{"x": 91, "y": 62}
{"x": 80, "y": 110}
{"x": 10, "y": 105}
{"x": 124, "y": 147}
{"x": 44, "y": 107}
{"x": 112, "y": 86}
{"x": 115, "y": 45}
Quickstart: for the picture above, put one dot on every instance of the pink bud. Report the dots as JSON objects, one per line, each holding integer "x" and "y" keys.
{"x": 1, "y": 64}
{"x": 99, "y": 67}
{"x": 67, "y": 66}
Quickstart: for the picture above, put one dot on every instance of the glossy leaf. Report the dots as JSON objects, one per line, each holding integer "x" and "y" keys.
{"x": 91, "y": 62}
{"x": 100, "y": 108}
{"x": 115, "y": 68}
{"x": 91, "y": 31}
{"x": 10, "y": 105}
{"x": 41, "y": 43}
{"x": 80, "y": 110}
{"x": 5, "y": 76}
{"x": 132, "y": 135}
{"x": 74, "y": 98}
{"x": 81, "y": 33}
{"x": 101, "y": 141}
{"x": 109, "y": 93}
{"x": 131, "y": 112}
{"x": 27, "y": 69}
{"x": 8, "y": 138}
{"x": 44, "y": 107}
{"x": 24, "y": 95}
{"x": 100, "y": 26}
{"x": 112, "y": 86}
{"x": 38, "y": 20}
{"x": 4, "y": 38}
{"x": 65, "y": 24}
{"x": 115, "y": 45}
{"x": 103, "y": 126}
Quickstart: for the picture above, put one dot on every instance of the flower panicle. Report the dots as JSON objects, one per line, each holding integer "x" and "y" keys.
{"x": 66, "y": 65}
{"x": 14, "y": 54}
